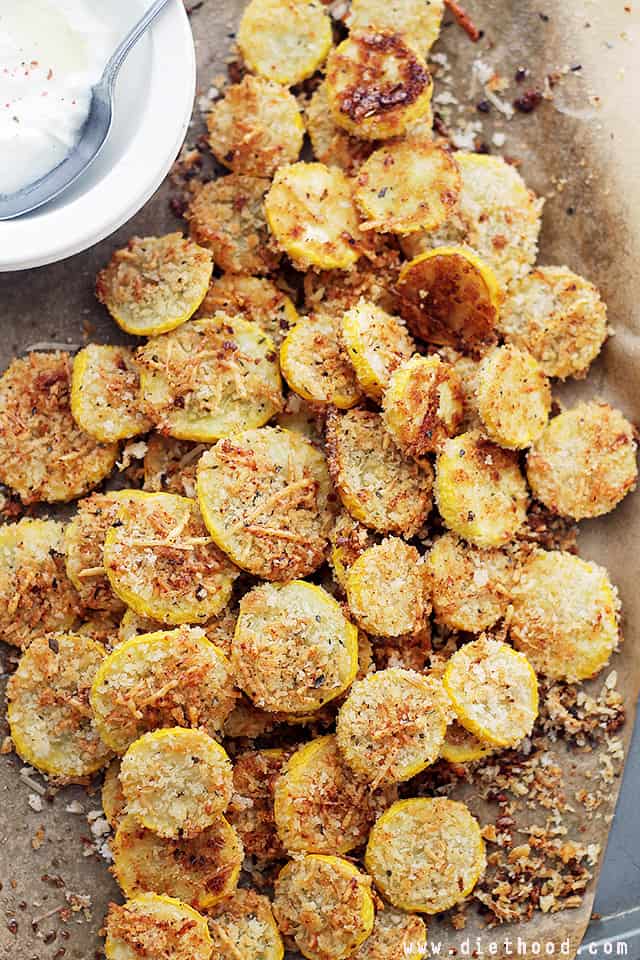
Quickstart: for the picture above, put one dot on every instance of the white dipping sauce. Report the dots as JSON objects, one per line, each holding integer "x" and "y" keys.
{"x": 51, "y": 54}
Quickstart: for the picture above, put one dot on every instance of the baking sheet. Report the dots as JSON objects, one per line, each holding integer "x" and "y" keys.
{"x": 583, "y": 155}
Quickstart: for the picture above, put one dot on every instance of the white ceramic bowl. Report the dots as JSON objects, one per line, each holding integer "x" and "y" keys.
{"x": 153, "y": 106}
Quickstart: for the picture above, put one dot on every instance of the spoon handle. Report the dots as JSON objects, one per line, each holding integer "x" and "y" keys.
{"x": 118, "y": 57}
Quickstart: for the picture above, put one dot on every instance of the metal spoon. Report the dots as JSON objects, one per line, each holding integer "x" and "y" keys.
{"x": 92, "y": 137}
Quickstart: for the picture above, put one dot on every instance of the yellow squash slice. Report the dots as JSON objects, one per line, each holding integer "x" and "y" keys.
{"x": 285, "y": 40}
{"x": 254, "y": 298}
{"x": 159, "y": 927}
{"x": 316, "y": 366}
{"x": 324, "y": 904}
{"x": 377, "y": 343}
{"x": 244, "y": 926}
{"x": 210, "y": 379}
{"x": 387, "y": 589}
{"x": 423, "y": 405}
{"x": 105, "y": 393}
{"x": 426, "y": 855}
{"x": 255, "y": 774}
{"x": 84, "y": 538}
{"x": 415, "y": 18}
{"x": 395, "y": 936}
{"x": 155, "y": 283}
{"x": 461, "y": 746}
{"x": 514, "y": 397}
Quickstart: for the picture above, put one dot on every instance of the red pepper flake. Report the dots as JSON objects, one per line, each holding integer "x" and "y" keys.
{"x": 463, "y": 20}
{"x": 528, "y": 102}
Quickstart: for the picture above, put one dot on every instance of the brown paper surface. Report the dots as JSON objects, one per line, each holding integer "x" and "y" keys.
{"x": 583, "y": 155}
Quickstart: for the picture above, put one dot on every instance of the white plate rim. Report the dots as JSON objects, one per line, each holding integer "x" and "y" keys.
{"x": 150, "y": 154}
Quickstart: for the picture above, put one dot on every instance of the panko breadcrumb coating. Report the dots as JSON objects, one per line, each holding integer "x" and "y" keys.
{"x": 321, "y": 805}
{"x": 494, "y": 691}
{"x": 324, "y": 904}
{"x": 392, "y": 724}
{"x": 480, "y": 490}
{"x": 44, "y": 455}
{"x": 284, "y": 40}
{"x": 243, "y": 926}
{"x": 176, "y": 781}
{"x": 387, "y": 589}
{"x": 265, "y": 498}
{"x": 293, "y": 649}
{"x": 168, "y": 678}
{"x": 376, "y": 343}
{"x": 425, "y": 855}
{"x": 423, "y": 404}
{"x": 154, "y": 283}
{"x": 227, "y": 217}
{"x": 470, "y": 587}
{"x": 84, "y": 538}
{"x": 558, "y": 317}
{"x": 461, "y": 746}
{"x": 211, "y": 378}
{"x": 160, "y": 927}
{"x": 565, "y": 615}
{"x": 407, "y": 185}
{"x": 170, "y": 465}
{"x": 415, "y": 18}
{"x": 331, "y": 144}
{"x": 105, "y": 393}
{"x": 514, "y": 397}
{"x": 50, "y": 719}
{"x": 255, "y": 127}
{"x": 378, "y": 85}
{"x": 36, "y": 595}
{"x": 254, "y": 298}
{"x": 395, "y": 936}
{"x": 312, "y": 216}
{"x": 161, "y": 561}
{"x": 201, "y": 871}
{"x": 378, "y": 485}
{"x": 315, "y": 364}
{"x": 584, "y": 463}
{"x": 250, "y": 811}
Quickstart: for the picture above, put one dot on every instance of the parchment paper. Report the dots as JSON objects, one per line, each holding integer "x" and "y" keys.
{"x": 583, "y": 155}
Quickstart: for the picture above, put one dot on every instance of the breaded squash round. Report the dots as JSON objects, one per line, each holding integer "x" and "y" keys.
{"x": 470, "y": 587}
{"x": 250, "y": 810}
{"x": 584, "y": 463}
{"x": 349, "y": 538}
{"x": 212, "y": 378}
{"x": 84, "y": 538}
{"x": 377, "y": 484}
{"x": 415, "y": 18}
{"x": 293, "y": 649}
{"x": 377, "y": 343}
{"x": 392, "y": 724}
{"x": 114, "y": 804}
{"x": 321, "y": 805}
{"x": 325, "y": 905}
{"x": 176, "y": 781}
{"x": 256, "y": 127}
{"x": 407, "y": 185}
{"x": 480, "y": 491}
{"x": 395, "y": 936}
{"x": 36, "y": 596}
{"x": 201, "y": 870}
{"x": 330, "y": 143}
{"x": 105, "y": 393}
{"x": 255, "y": 299}
{"x": 558, "y": 317}
{"x": 425, "y": 855}
{"x": 168, "y": 678}
{"x": 315, "y": 364}
{"x": 219, "y": 630}
{"x": 312, "y": 215}
{"x": 377, "y": 83}
{"x": 284, "y": 40}
{"x": 423, "y": 404}
{"x": 44, "y": 455}
{"x": 51, "y": 722}
{"x": 565, "y": 615}
{"x": 227, "y": 217}
{"x": 514, "y": 397}
{"x": 265, "y": 498}
{"x": 243, "y": 926}
{"x": 159, "y": 927}
{"x": 494, "y": 691}
{"x": 461, "y": 746}
{"x": 387, "y": 589}
{"x": 449, "y": 296}
{"x": 161, "y": 561}
{"x": 154, "y": 283}
{"x": 170, "y": 465}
